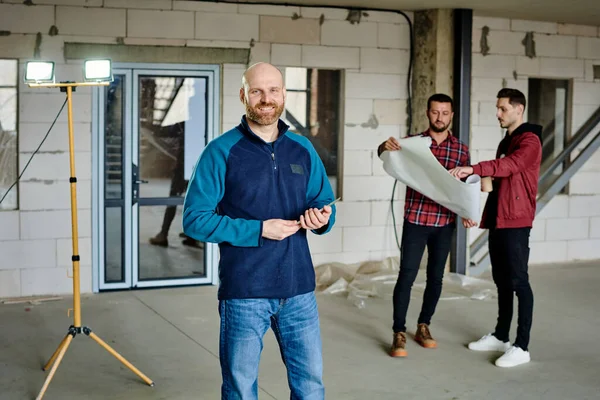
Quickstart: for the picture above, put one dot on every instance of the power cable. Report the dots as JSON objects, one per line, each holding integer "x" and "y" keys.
{"x": 34, "y": 153}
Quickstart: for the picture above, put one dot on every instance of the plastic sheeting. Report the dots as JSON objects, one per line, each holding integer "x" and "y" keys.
{"x": 376, "y": 279}
{"x": 415, "y": 166}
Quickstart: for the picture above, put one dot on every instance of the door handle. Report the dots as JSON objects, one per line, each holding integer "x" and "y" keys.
{"x": 135, "y": 187}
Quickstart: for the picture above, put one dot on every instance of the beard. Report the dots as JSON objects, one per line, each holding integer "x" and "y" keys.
{"x": 256, "y": 115}
{"x": 436, "y": 127}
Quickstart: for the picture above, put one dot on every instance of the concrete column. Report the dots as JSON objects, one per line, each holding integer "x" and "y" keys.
{"x": 443, "y": 37}
{"x": 433, "y": 62}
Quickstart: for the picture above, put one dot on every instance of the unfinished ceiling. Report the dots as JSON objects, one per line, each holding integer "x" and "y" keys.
{"x": 586, "y": 12}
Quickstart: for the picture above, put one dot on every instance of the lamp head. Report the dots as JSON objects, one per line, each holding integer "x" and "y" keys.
{"x": 39, "y": 72}
{"x": 97, "y": 70}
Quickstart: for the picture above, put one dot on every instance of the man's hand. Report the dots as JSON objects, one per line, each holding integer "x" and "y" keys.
{"x": 461, "y": 172}
{"x": 391, "y": 144}
{"x": 314, "y": 218}
{"x": 468, "y": 223}
{"x": 279, "y": 229}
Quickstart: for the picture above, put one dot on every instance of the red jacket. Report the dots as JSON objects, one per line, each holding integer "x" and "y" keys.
{"x": 513, "y": 200}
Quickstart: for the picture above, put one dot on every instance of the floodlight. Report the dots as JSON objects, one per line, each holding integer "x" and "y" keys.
{"x": 39, "y": 72}
{"x": 97, "y": 71}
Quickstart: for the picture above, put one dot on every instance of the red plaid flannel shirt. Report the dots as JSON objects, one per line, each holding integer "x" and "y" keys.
{"x": 421, "y": 210}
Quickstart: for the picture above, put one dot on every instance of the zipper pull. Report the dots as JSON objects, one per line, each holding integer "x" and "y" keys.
{"x": 273, "y": 156}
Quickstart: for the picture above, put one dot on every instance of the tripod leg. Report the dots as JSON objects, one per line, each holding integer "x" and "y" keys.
{"x": 120, "y": 358}
{"x": 51, "y": 360}
{"x": 61, "y": 354}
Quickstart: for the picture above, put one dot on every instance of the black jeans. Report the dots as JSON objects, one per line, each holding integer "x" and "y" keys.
{"x": 414, "y": 239}
{"x": 509, "y": 253}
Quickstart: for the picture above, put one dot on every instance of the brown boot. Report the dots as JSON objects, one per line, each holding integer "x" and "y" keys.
{"x": 398, "y": 345}
{"x": 423, "y": 337}
{"x": 159, "y": 240}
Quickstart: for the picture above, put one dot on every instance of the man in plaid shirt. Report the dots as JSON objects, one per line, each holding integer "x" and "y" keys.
{"x": 426, "y": 224}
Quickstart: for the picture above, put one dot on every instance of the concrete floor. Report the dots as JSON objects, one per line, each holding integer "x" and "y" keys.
{"x": 172, "y": 336}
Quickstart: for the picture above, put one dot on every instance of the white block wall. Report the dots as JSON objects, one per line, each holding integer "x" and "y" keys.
{"x": 567, "y": 229}
{"x": 35, "y": 240}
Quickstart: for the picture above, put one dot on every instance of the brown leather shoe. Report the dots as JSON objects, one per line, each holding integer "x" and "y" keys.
{"x": 159, "y": 240}
{"x": 423, "y": 337}
{"x": 398, "y": 345}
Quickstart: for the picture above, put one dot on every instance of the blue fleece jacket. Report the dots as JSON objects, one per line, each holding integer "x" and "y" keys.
{"x": 241, "y": 181}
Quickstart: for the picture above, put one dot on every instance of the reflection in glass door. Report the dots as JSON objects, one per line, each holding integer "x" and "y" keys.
{"x": 152, "y": 126}
{"x": 169, "y": 140}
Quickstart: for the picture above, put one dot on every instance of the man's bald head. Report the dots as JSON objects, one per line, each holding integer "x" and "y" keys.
{"x": 263, "y": 93}
{"x": 261, "y": 70}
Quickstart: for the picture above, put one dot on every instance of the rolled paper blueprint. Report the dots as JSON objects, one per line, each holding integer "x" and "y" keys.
{"x": 416, "y": 167}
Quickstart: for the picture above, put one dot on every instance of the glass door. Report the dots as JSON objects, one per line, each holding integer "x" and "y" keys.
{"x": 113, "y": 187}
{"x": 153, "y": 124}
{"x": 169, "y": 133}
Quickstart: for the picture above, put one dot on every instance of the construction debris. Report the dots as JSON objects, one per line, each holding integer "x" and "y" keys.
{"x": 376, "y": 279}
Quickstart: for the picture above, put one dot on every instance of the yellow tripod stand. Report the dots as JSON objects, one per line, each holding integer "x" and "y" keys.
{"x": 76, "y": 328}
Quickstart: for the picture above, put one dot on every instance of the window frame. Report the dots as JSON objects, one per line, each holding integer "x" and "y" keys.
{"x": 568, "y": 85}
{"x": 340, "y": 114}
{"x": 17, "y": 117}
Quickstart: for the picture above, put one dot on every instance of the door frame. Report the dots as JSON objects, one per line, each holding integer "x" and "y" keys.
{"x": 131, "y": 71}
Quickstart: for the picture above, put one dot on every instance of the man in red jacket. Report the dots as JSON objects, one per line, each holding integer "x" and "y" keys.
{"x": 508, "y": 214}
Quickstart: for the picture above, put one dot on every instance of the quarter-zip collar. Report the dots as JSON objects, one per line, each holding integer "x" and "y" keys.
{"x": 243, "y": 127}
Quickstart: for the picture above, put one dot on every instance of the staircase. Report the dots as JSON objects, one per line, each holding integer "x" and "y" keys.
{"x": 113, "y": 161}
{"x": 155, "y": 102}
{"x": 551, "y": 182}
{"x": 113, "y": 140}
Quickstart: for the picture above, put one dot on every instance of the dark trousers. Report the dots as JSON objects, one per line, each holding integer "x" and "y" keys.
{"x": 509, "y": 253}
{"x": 178, "y": 188}
{"x": 414, "y": 239}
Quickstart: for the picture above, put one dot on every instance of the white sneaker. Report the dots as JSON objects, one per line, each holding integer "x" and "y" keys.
{"x": 513, "y": 357}
{"x": 489, "y": 343}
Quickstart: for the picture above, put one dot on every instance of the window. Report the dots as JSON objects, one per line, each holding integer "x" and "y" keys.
{"x": 313, "y": 110}
{"x": 8, "y": 132}
{"x": 548, "y": 106}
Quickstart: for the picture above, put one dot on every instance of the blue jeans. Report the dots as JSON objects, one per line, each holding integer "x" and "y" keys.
{"x": 295, "y": 322}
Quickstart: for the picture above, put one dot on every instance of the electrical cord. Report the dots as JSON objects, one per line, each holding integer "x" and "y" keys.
{"x": 35, "y": 152}
{"x": 409, "y": 121}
